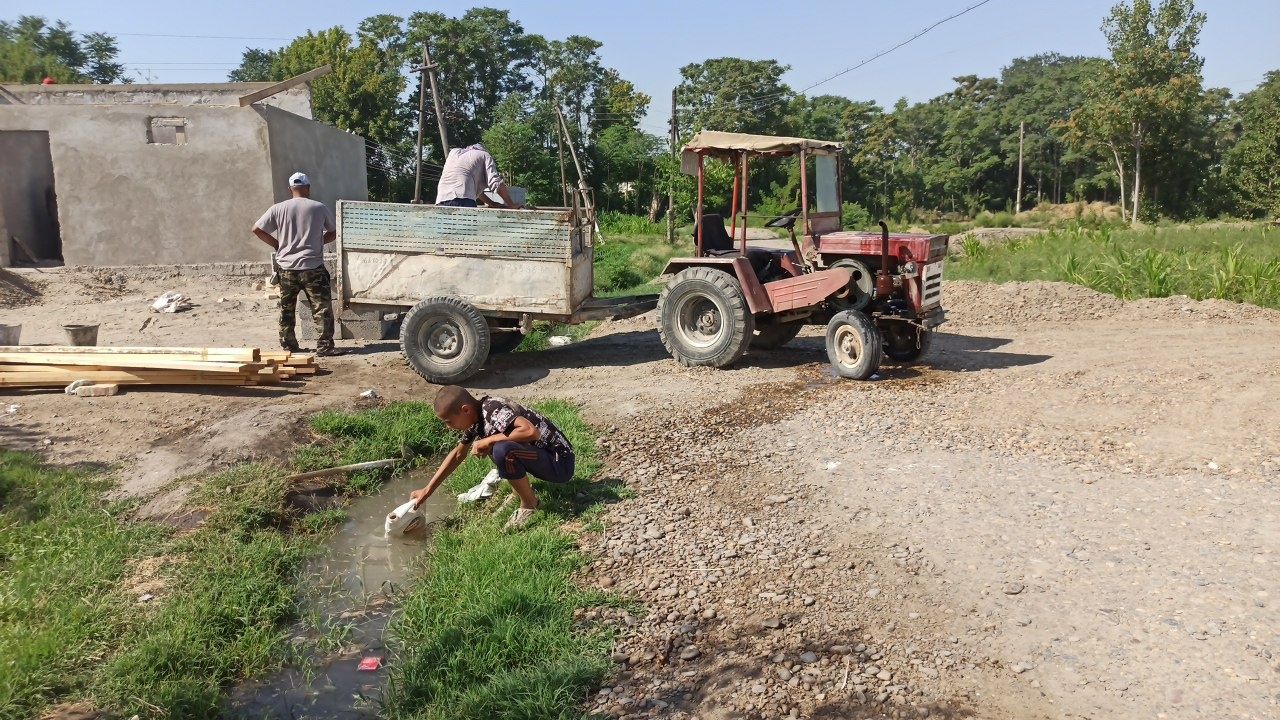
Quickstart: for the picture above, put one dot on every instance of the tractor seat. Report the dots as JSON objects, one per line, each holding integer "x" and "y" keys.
{"x": 716, "y": 242}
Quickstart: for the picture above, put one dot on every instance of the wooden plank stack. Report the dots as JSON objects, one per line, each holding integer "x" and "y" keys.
{"x": 50, "y": 366}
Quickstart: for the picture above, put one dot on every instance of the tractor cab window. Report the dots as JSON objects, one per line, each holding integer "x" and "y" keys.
{"x": 827, "y": 192}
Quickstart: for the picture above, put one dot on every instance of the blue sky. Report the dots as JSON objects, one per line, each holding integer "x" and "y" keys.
{"x": 648, "y": 42}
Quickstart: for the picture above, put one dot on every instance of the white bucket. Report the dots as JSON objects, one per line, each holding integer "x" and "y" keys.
{"x": 82, "y": 335}
{"x": 9, "y": 334}
{"x": 405, "y": 520}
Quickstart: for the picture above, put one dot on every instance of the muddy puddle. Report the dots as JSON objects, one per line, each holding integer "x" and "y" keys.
{"x": 353, "y": 586}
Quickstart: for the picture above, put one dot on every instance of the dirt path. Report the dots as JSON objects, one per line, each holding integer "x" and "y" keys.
{"x": 1072, "y": 511}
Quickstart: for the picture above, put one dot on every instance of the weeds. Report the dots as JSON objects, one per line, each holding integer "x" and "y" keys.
{"x": 74, "y": 626}
{"x": 1236, "y": 263}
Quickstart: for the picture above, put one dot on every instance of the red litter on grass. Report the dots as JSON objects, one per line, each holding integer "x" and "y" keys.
{"x": 370, "y": 664}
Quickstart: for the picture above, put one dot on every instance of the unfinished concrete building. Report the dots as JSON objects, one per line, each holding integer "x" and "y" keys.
{"x": 106, "y": 175}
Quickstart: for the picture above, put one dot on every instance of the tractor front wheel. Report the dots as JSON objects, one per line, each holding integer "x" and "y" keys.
{"x": 445, "y": 340}
{"x": 904, "y": 342}
{"x": 854, "y": 345}
{"x": 703, "y": 318}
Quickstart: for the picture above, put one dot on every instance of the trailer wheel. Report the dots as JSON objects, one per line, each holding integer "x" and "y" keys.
{"x": 445, "y": 340}
{"x": 776, "y": 335}
{"x": 854, "y": 345}
{"x": 904, "y": 342}
{"x": 703, "y": 318}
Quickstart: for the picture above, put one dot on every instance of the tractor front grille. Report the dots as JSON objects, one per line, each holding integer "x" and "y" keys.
{"x": 931, "y": 286}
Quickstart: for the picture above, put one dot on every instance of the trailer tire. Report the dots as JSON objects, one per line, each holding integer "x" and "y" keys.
{"x": 445, "y": 340}
{"x": 906, "y": 343}
{"x": 703, "y": 318}
{"x": 775, "y": 335}
{"x": 854, "y": 345}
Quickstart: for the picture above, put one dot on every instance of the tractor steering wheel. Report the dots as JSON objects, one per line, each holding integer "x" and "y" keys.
{"x": 785, "y": 222}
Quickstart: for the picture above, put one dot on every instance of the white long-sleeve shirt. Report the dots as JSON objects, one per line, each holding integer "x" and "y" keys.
{"x": 467, "y": 171}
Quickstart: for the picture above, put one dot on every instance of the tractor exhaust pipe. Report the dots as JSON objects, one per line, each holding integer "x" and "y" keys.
{"x": 884, "y": 284}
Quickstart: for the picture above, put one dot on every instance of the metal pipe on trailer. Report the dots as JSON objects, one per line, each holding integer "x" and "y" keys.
{"x": 700, "y": 222}
{"x": 744, "y": 203}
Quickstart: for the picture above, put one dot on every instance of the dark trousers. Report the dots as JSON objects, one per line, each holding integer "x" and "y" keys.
{"x": 458, "y": 202}
{"x": 316, "y": 286}
{"x": 515, "y": 460}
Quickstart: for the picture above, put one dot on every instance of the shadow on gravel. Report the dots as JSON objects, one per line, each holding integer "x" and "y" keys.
{"x": 623, "y": 349}
{"x": 967, "y": 352}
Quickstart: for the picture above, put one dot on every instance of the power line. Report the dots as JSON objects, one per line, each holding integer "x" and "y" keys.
{"x": 762, "y": 100}
{"x": 909, "y": 40}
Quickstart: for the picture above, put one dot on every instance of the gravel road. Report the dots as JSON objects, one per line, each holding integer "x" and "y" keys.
{"x": 1071, "y": 510}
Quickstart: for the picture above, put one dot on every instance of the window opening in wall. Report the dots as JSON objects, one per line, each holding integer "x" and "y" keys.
{"x": 167, "y": 131}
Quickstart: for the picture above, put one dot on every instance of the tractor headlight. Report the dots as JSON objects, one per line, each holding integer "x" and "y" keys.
{"x": 909, "y": 268}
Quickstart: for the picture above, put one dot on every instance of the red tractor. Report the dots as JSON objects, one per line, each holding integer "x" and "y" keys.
{"x": 878, "y": 294}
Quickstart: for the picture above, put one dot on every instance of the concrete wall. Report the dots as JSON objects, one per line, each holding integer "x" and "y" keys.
{"x": 123, "y": 201}
{"x": 330, "y": 157}
{"x": 26, "y": 169}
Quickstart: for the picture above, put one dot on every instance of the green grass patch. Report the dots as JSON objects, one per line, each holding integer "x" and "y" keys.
{"x": 618, "y": 223}
{"x": 487, "y": 630}
{"x": 73, "y": 629}
{"x": 404, "y": 430}
{"x": 1230, "y": 262}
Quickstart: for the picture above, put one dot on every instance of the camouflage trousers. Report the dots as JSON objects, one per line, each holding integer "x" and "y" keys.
{"x": 316, "y": 286}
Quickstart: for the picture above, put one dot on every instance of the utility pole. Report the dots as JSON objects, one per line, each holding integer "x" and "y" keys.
{"x": 422, "y": 99}
{"x": 564, "y": 180}
{"x": 1017, "y": 204}
{"x": 429, "y": 70}
{"x": 671, "y": 191}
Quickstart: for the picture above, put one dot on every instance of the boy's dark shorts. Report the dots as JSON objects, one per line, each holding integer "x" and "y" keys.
{"x": 516, "y": 460}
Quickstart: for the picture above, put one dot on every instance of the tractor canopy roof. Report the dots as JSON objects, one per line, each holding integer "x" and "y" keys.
{"x": 721, "y": 144}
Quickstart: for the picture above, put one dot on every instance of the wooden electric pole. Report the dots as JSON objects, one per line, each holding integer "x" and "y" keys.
{"x": 422, "y": 100}
{"x": 428, "y": 70}
{"x": 1017, "y": 204}
{"x": 671, "y": 191}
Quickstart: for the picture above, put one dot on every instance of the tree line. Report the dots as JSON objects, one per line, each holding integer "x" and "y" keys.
{"x": 1137, "y": 128}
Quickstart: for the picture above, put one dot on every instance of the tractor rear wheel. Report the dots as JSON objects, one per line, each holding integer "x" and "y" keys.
{"x": 445, "y": 340}
{"x": 776, "y": 335}
{"x": 703, "y": 318}
{"x": 904, "y": 342}
{"x": 854, "y": 345}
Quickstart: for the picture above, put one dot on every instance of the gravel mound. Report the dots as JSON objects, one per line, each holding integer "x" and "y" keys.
{"x": 1035, "y": 303}
{"x": 18, "y": 291}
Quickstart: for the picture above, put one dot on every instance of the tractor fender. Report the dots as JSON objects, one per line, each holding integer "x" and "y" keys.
{"x": 735, "y": 265}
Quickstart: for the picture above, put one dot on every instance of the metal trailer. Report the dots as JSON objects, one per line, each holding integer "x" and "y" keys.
{"x": 461, "y": 283}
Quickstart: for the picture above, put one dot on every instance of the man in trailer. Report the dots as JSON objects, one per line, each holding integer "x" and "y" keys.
{"x": 468, "y": 173}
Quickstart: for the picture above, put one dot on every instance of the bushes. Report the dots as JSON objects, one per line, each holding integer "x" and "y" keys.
{"x": 1240, "y": 264}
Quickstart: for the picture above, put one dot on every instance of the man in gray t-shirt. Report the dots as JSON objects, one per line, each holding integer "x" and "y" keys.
{"x": 298, "y": 229}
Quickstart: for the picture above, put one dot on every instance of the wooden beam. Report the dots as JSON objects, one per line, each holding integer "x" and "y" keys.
{"x": 283, "y": 85}
{"x": 10, "y": 361}
{"x": 245, "y": 355}
{"x": 54, "y": 377}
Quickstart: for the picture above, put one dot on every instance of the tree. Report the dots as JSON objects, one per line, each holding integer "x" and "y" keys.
{"x": 1251, "y": 165}
{"x": 484, "y": 56}
{"x": 734, "y": 95}
{"x": 31, "y": 50}
{"x": 1148, "y": 93}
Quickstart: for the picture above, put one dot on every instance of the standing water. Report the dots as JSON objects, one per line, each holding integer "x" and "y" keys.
{"x": 355, "y": 581}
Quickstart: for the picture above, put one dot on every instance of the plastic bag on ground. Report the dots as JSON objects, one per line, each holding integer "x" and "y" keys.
{"x": 483, "y": 489}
